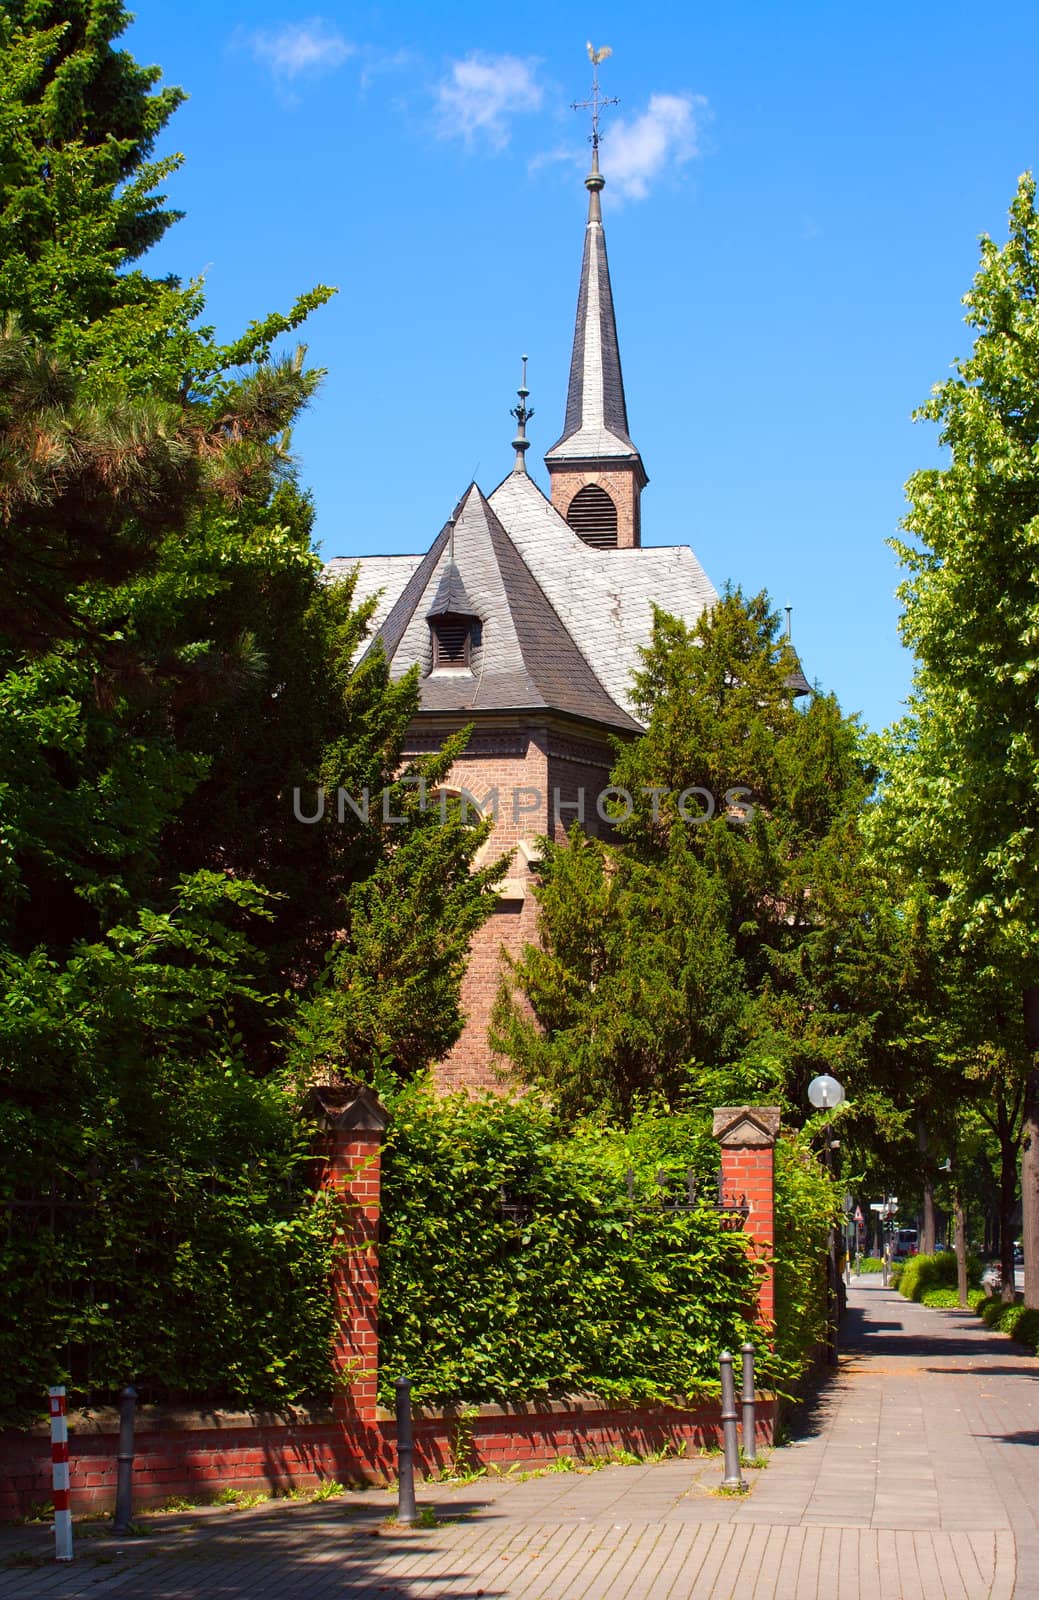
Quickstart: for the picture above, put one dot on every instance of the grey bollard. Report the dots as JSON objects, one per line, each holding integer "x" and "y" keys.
{"x": 124, "y": 1461}
{"x": 407, "y": 1513}
{"x": 733, "y": 1478}
{"x": 750, "y": 1433}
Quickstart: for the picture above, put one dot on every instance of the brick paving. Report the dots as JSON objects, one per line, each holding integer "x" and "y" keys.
{"x": 913, "y": 1476}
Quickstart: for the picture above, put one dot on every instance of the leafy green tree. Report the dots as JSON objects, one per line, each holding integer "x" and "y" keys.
{"x": 966, "y": 786}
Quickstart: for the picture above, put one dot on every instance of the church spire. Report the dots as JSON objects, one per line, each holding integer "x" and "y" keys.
{"x": 597, "y": 472}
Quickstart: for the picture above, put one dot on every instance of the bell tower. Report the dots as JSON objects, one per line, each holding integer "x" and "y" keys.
{"x": 596, "y": 471}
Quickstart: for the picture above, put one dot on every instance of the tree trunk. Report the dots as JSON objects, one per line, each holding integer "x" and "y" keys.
{"x": 1007, "y": 1196}
{"x": 960, "y": 1213}
{"x": 928, "y": 1231}
{"x": 1030, "y": 1152}
{"x": 929, "y": 1234}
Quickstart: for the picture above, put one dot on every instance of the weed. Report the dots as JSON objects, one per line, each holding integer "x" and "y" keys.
{"x": 239, "y": 1499}
{"x": 39, "y": 1511}
{"x": 327, "y": 1489}
{"x": 427, "y": 1517}
{"x": 462, "y": 1441}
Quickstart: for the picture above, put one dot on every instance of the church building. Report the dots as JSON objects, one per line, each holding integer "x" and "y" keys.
{"x": 526, "y": 616}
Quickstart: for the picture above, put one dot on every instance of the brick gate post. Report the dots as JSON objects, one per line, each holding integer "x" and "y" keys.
{"x": 747, "y": 1135}
{"x": 347, "y": 1149}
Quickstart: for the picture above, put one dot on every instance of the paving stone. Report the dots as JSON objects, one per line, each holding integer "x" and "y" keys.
{"x": 912, "y": 1476}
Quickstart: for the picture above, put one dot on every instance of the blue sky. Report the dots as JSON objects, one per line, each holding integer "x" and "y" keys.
{"x": 793, "y": 200}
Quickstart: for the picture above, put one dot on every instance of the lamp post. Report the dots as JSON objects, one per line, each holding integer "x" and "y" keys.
{"x": 826, "y": 1094}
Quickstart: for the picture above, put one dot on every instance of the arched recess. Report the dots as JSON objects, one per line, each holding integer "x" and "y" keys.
{"x": 593, "y": 517}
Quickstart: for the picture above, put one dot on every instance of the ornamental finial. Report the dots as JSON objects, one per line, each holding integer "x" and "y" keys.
{"x": 523, "y": 415}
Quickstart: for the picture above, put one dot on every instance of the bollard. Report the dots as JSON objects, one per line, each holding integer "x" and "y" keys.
{"x": 407, "y": 1513}
{"x": 733, "y": 1478}
{"x": 124, "y": 1459}
{"x": 60, "y": 1473}
{"x": 750, "y": 1434}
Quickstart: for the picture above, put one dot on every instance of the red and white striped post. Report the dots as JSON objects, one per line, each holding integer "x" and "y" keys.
{"x": 60, "y": 1475}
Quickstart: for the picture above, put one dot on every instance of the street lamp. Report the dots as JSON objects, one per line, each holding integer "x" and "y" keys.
{"x": 825, "y": 1094}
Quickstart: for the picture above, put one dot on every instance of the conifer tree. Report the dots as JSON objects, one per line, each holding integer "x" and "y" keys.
{"x": 172, "y": 668}
{"x": 696, "y": 958}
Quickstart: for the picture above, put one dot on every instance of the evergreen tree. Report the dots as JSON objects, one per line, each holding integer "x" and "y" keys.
{"x": 698, "y": 958}
{"x": 172, "y": 668}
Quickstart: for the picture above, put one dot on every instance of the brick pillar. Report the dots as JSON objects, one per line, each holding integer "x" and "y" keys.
{"x": 347, "y": 1148}
{"x": 747, "y": 1135}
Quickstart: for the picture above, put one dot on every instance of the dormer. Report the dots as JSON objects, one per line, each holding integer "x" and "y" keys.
{"x": 454, "y": 637}
{"x": 455, "y": 626}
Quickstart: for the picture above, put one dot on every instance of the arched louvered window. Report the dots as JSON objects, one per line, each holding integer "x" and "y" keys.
{"x": 593, "y": 517}
{"x": 453, "y": 639}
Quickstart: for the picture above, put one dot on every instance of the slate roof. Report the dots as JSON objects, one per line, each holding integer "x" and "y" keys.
{"x": 604, "y": 598}
{"x": 451, "y": 598}
{"x": 563, "y": 623}
{"x": 526, "y": 659}
{"x": 596, "y": 423}
{"x": 380, "y": 576}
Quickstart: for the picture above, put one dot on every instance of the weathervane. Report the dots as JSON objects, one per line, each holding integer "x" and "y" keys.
{"x": 597, "y": 101}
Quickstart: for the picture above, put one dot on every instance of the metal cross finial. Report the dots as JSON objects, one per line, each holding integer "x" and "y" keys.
{"x": 523, "y": 415}
{"x": 597, "y": 101}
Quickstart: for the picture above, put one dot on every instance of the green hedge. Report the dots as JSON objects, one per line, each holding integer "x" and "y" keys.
{"x": 1015, "y": 1319}
{"x": 921, "y": 1275}
{"x": 870, "y": 1264}
{"x": 572, "y": 1290}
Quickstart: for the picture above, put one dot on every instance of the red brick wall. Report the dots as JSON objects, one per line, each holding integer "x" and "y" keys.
{"x": 195, "y": 1455}
{"x": 751, "y": 1172}
{"x": 619, "y": 483}
{"x": 511, "y": 759}
{"x": 351, "y": 1166}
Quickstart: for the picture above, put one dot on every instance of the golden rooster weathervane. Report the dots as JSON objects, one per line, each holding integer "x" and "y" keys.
{"x": 597, "y": 101}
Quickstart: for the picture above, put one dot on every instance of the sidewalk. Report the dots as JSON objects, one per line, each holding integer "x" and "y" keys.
{"x": 910, "y": 1479}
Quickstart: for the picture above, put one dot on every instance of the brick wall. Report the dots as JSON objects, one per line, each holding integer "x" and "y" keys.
{"x": 195, "y": 1454}
{"x": 512, "y": 758}
{"x": 747, "y": 1135}
{"x": 619, "y": 482}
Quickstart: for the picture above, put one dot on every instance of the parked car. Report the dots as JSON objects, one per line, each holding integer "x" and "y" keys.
{"x": 1019, "y": 1254}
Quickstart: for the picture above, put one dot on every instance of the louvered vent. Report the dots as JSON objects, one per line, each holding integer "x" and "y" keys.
{"x": 451, "y": 640}
{"x": 593, "y": 517}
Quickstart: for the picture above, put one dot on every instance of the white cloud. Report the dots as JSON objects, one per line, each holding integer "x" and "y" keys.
{"x": 665, "y": 135}
{"x": 300, "y": 47}
{"x": 482, "y": 93}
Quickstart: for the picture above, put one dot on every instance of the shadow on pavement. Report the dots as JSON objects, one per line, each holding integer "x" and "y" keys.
{"x": 262, "y": 1557}
{"x": 1026, "y": 1436}
{"x": 1004, "y": 1371}
{"x": 864, "y": 1335}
